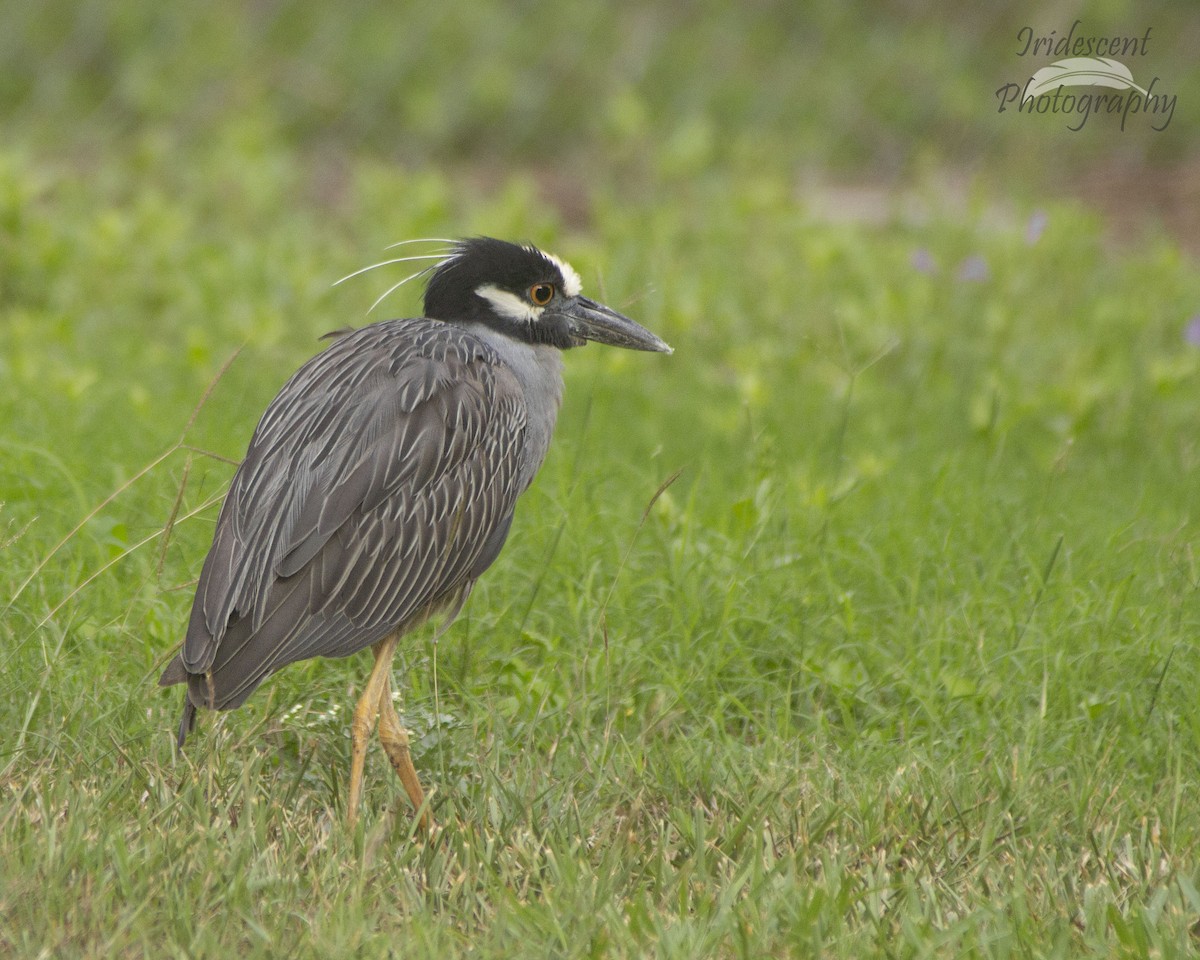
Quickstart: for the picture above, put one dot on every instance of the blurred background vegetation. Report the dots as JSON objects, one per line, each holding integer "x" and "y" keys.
{"x": 622, "y": 95}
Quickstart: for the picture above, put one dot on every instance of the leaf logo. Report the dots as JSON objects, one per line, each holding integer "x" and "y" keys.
{"x": 1078, "y": 72}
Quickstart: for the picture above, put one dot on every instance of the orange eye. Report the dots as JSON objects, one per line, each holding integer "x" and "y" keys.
{"x": 541, "y": 293}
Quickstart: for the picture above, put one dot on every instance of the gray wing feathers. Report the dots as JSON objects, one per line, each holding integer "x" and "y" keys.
{"x": 379, "y": 482}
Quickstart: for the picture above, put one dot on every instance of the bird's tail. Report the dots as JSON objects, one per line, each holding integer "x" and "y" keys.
{"x": 187, "y": 721}
{"x": 175, "y": 673}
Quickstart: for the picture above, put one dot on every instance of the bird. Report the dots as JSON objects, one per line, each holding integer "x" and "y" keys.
{"x": 381, "y": 482}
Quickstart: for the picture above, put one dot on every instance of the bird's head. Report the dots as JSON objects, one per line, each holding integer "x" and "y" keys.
{"x": 528, "y": 295}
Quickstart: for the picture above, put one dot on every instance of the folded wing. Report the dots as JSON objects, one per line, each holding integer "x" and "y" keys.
{"x": 378, "y": 485}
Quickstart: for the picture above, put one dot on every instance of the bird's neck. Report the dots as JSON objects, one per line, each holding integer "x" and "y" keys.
{"x": 538, "y": 369}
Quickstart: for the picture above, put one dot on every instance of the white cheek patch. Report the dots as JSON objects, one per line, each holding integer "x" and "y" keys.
{"x": 509, "y": 305}
{"x": 572, "y": 286}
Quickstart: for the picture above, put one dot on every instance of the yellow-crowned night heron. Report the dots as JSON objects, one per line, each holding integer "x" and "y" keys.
{"x": 381, "y": 482}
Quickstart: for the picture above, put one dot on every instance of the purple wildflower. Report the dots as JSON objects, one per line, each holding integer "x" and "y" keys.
{"x": 973, "y": 270}
{"x": 923, "y": 262}
{"x": 1036, "y": 226}
{"x": 1191, "y": 333}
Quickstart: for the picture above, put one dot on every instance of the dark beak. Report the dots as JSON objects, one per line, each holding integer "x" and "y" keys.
{"x": 589, "y": 320}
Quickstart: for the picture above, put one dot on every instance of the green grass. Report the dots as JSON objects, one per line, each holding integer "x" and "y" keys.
{"x": 902, "y": 665}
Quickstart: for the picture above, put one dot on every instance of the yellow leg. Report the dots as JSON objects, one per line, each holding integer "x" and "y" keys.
{"x": 364, "y": 718}
{"x": 394, "y": 738}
